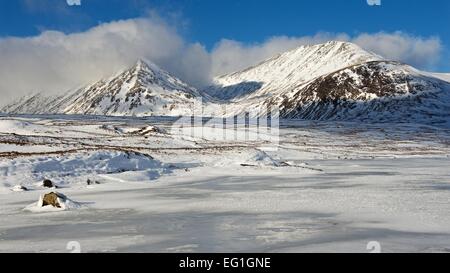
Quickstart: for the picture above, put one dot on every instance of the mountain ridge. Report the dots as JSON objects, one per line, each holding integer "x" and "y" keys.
{"x": 343, "y": 82}
{"x": 288, "y": 69}
{"x": 143, "y": 89}
{"x": 334, "y": 80}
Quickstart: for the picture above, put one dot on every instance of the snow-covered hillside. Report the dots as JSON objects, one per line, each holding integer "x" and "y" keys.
{"x": 144, "y": 89}
{"x": 378, "y": 91}
{"x": 336, "y": 80}
{"x": 288, "y": 70}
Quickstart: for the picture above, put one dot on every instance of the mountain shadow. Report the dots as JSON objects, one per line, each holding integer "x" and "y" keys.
{"x": 235, "y": 91}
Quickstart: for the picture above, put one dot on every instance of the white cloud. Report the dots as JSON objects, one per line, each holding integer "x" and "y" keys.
{"x": 54, "y": 61}
{"x": 229, "y": 56}
{"x": 416, "y": 51}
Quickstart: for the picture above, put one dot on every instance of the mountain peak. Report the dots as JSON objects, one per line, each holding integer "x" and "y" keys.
{"x": 334, "y": 46}
{"x": 142, "y": 89}
{"x": 146, "y": 72}
{"x": 290, "y": 69}
{"x": 140, "y": 63}
{"x": 145, "y": 65}
{"x": 340, "y": 43}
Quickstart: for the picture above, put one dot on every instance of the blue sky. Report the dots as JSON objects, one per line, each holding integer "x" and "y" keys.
{"x": 244, "y": 20}
{"x": 249, "y": 21}
{"x": 215, "y": 36}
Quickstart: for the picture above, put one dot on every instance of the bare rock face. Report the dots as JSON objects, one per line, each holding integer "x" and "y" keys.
{"x": 368, "y": 81}
{"x": 51, "y": 199}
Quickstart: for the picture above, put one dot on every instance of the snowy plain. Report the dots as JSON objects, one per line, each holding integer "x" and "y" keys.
{"x": 327, "y": 187}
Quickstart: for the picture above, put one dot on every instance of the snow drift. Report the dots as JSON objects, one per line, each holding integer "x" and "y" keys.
{"x": 63, "y": 169}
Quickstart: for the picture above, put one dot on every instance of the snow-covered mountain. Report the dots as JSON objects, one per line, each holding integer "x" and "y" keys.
{"x": 336, "y": 80}
{"x": 144, "y": 89}
{"x": 287, "y": 70}
{"x": 378, "y": 90}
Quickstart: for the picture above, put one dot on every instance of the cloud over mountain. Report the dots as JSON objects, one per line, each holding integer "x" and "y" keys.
{"x": 230, "y": 55}
{"x": 54, "y": 61}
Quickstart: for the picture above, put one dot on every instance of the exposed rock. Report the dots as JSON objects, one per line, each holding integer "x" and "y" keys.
{"x": 378, "y": 90}
{"x": 48, "y": 184}
{"x": 52, "y": 199}
{"x": 149, "y": 130}
{"x": 51, "y": 202}
{"x": 92, "y": 182}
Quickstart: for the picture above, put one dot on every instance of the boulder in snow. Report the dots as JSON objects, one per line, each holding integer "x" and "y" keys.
{"x": 53, "y": 201}
{"x": 48, "y": 184}
{"x": 92, "y": 182}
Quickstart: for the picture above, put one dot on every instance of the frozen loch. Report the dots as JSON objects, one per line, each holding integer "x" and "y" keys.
{"x": 327, "y": 187}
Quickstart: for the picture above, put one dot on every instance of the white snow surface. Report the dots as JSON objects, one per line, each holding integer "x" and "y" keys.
{"x": 327, "y": 187}
{"x": 63, "y": 169}
{"x": 18, "y": 127}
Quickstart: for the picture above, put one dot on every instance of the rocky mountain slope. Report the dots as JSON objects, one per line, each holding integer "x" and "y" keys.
{"x": 380, "y": 91}
{"x": 336, "y": 80}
